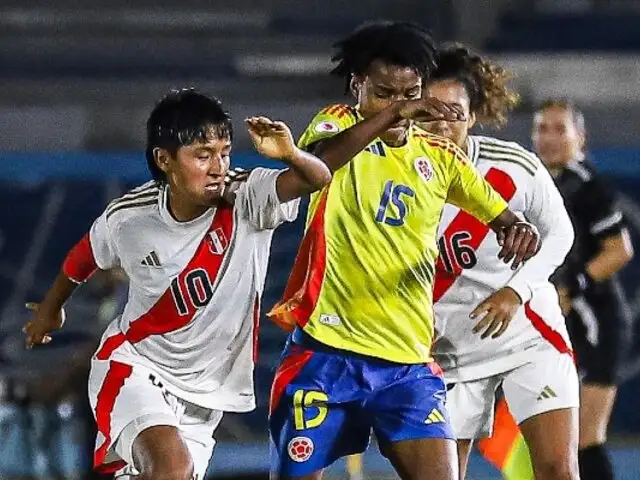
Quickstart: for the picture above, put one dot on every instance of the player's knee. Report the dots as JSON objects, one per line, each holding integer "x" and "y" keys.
{"x": 557, "y": 467}
{"x": 161, "y": 454}
{"x": 178, "y": 469}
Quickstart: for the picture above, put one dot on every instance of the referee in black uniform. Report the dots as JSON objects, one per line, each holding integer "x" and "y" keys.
{"x": 597, "y": 313}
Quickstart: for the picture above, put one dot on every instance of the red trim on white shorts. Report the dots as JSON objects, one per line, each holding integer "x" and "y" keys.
{"x": 548, "y": 333}
{"x": 113, "y": 382}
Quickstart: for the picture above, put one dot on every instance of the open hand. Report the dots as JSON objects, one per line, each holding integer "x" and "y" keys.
{"x": 43, "y": 322}
{"x": 499, "y": 309}
{"x": 430, "y": 110}
{"x": 271, "y": 139}
{"x": 519, "y": 243}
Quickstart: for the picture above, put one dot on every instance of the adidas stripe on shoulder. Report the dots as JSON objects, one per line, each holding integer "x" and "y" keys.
{"x": 444, "y": 144}
{"x": 236, "y": 175}
{"x": 511, "y": 152}
{"x": 142, "y": 196}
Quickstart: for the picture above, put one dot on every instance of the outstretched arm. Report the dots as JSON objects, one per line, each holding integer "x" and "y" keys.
{"x": 48, "y": 315}
{"x": 338, "y": 150}
{"x": 306, "y": 173}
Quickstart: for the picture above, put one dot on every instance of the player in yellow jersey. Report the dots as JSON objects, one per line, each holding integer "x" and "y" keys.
{"x": 360, "y": 293}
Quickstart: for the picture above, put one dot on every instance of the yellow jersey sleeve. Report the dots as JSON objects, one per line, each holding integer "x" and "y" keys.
{"x": 469, "y": 191}
{"x": 327, "y": 123}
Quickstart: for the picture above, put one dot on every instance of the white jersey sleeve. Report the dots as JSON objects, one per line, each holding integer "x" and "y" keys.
{"x": 258, "y": 200}
{"x": 103, "y": 244}
{"x": 545, "y": 209}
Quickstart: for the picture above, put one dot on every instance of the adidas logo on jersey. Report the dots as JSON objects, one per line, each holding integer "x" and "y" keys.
{"x": 547, "y": 393}
{"x": 434, "y": 417}
{"x": 376, "y": 148}
{"x": 151, "y": 260}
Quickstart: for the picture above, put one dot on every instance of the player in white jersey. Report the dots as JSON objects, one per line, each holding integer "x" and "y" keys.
{"x": 500, "y": 327}
{"x": 195, "y": 248}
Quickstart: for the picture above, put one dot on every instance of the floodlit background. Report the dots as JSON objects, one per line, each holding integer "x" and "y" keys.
{"x": 77, "y": 82}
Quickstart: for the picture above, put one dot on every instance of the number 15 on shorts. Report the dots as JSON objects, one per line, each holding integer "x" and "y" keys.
{"x": 309, "y": 409}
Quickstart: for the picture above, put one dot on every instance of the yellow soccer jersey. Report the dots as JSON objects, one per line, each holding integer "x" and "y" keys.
{"x": 363, "y": 277}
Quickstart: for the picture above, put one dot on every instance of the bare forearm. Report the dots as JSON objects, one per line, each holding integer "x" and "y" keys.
{"x": 338, "y": 150}
{"x": 504, "y": 220}
{"x": 59, "y": 292}
{"x": 309, "y": 168}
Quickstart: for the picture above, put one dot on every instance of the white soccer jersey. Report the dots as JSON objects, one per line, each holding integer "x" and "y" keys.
{"x": 195, "y": 288}
{"x": 468, "y": 269}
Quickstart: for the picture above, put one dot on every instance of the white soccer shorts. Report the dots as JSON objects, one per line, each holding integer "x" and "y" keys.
{"x": 127, "y": 400}
{"x": 548, "y": 383}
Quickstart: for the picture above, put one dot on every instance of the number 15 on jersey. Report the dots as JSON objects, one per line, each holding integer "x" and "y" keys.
{"x": 394, "y": 194}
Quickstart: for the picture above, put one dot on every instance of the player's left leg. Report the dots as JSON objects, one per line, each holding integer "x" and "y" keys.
{"x": 543, "y": 397}
{"x": 411, "y": 423}
{"x": 423, "y": 459}
{"x": 552, "y": 438}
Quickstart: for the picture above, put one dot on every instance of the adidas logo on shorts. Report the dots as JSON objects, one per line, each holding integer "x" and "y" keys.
{"x": 547, "y": 393}
{"x": 434, "y": 417}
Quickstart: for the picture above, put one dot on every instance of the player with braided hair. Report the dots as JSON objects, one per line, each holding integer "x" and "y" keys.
{"x": 359, "y": 300}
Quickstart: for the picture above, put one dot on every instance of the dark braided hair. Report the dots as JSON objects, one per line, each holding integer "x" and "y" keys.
{"x": 486, "y": 83}
{"x": 402, "y": 44}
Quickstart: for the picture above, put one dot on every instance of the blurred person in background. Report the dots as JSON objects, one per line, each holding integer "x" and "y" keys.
{"x": 195, "y": 244}
{"x": 592, "y": 297}
{"x": 359, "y": 298}
{"x": 519, "y": 341}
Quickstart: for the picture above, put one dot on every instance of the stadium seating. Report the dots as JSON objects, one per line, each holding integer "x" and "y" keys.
{"x": 565, "y": 32}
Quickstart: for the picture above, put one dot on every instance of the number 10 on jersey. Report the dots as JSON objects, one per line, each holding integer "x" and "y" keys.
{"x": 196, "y": 291}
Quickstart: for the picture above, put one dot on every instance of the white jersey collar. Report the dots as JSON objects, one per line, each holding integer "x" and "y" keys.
{"x": 163, "y": 205}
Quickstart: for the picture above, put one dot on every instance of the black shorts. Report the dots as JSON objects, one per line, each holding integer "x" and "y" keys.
{"x": 600, "y": 329}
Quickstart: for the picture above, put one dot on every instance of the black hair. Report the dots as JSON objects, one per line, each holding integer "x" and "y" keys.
{"x": 397, "y": 43}
{"x": 486, "y": 83}
{"x": 181, "y": 118}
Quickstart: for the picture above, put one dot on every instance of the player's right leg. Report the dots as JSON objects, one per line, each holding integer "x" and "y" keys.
{"x": 471, "y": 410}
{"x": 138, "y": 432}
{"x": 160, "y": 453}
{"x": 411, "y": 422}
{"x": 314, "y": 418}
{"x": 543, "y": 397}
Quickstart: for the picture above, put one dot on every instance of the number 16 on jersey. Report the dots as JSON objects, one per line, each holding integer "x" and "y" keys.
{"x": 455, "y": 253}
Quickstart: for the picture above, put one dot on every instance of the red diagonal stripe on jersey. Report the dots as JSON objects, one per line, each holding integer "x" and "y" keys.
{"x": 548, "y": 333}
{"x": 463, "y": 222}
{"x": 291, "y": 366}
{"x": 112, "y": 384}
{"x": 164, "y": 316}
{"x": 305, "y": 280}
